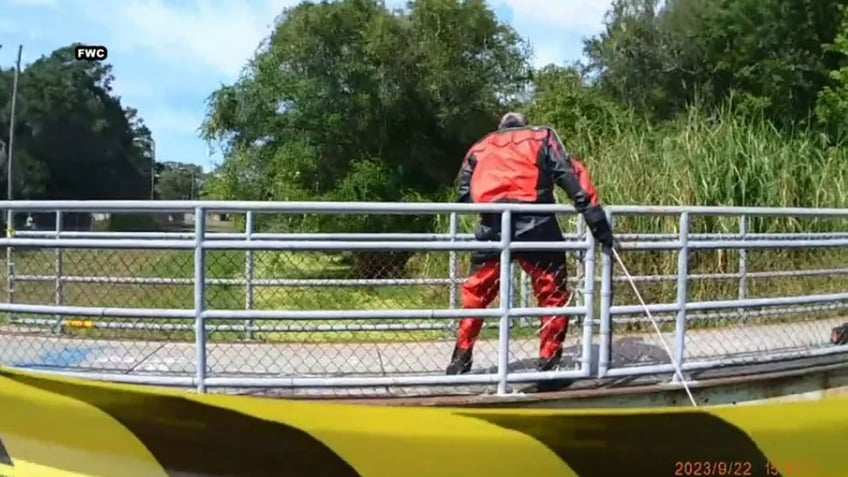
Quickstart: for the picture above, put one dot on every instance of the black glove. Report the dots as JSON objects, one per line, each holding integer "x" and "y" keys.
{"x": 596, "y": 220}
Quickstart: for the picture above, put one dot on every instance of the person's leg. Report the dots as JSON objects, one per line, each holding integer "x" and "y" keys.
{"x": 549, "y": 278}
{"x": 478, "y": 292}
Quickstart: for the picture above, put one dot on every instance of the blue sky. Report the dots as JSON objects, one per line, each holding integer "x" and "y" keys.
{"x": 168, "y": 55}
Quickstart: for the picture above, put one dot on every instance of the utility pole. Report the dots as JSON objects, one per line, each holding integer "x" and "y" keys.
{"x": 10, "y": 153}
{"x": 9, "y": 149}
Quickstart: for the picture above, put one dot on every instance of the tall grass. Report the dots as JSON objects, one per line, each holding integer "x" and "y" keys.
{"x": 717, "y": 160}
{"x": 722, "y": 160}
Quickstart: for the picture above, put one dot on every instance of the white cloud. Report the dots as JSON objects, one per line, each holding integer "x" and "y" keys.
{"x": 219, "y": 35}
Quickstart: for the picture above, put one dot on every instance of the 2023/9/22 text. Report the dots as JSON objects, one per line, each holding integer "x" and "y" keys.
{"x": 742, "y": 468}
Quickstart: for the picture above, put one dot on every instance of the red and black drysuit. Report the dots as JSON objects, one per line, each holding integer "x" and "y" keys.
{"x": 522, "y": 165}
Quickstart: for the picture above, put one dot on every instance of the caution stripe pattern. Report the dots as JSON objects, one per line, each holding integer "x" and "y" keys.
{"x": 5, "y": 459}
{"x": 184, "y": 434}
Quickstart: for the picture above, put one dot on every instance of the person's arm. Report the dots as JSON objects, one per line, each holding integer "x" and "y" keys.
{"x": 565, "y": 175}
{"x": 573, "y": 177}
{"x": 585, "y": 180}
{"x": 463, "y": 179}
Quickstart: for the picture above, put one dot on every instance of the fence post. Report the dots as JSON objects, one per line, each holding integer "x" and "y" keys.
{"x": 512, "y": 277}
{"x": 581, "y": 254}
{"x": 743, "y": 263}
{"x": 10, "y": 264}
{"x": 589, "y": 302}
{"x": 682, "y": 291}
{"x": 59, "y": 293}
{"x": 579, "y": 271}
{"x": 505, "y": 301}
{"x": 200, "y": 298}
{"x": 605, "y": 345}
{"x": 248, "y": 274}
{"x": 526, "y": 293}
{"x": 453, "y": 269}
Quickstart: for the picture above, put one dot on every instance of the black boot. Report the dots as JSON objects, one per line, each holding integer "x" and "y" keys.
{"x": 461, "y": 361}
{"x": 550, "y": 364}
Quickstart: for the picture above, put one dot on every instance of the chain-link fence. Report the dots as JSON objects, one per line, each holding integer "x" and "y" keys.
{"x": 281, "y": 308}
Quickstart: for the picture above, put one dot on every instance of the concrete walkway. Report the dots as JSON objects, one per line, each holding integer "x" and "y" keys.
{"x": 44, "y": 351}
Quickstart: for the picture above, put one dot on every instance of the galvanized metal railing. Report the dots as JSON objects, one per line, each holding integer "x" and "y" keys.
{"x": 591, "y": 363}
{"x": 249, "y": 282}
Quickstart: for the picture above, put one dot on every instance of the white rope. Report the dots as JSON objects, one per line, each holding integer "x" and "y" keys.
{"x": 677, "y": 368}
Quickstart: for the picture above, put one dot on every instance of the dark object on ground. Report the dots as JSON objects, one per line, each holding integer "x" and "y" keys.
{"x": 839, "y": 335}
{"x": 547, "y": 386}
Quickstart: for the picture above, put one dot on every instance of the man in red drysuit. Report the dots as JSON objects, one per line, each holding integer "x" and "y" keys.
{"x": 521, "y": 164}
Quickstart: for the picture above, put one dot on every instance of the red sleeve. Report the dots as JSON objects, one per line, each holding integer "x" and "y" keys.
{"x": 585, "y": 180}
{"x": 560, "y": 164}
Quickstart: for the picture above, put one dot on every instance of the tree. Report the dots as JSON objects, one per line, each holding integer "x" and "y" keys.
{"x": 832, "y": 105}
{"x": 330, "y": 108}
{"x": 647, "y": 57}
{"x": 768, "y": 55}
{"x": 564, "y": 97}
{"x": 73, "y": 138}
{"x": 178, "y": 181}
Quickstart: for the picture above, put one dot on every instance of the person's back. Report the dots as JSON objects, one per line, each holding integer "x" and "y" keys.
{"x": 521, "y": 164}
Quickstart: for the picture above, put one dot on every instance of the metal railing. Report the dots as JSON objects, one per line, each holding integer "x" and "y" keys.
{"x": 269, "y": 332}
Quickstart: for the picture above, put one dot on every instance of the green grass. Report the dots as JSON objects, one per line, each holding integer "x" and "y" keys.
{"x": 230, "y": 264}
{"x": 220, "y": 264}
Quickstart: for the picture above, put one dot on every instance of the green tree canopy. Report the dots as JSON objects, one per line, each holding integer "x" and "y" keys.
{"x": 563, "y": 96}
{"x": 771, "y": 56}
{"x": 350, "y": 101}
{"x": 73, "y": 138}
{"x": 179, "y": 181}
{"x": 832, "y": 105}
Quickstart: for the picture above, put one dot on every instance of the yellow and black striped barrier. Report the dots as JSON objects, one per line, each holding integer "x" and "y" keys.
{"x": 59, "y": 427}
